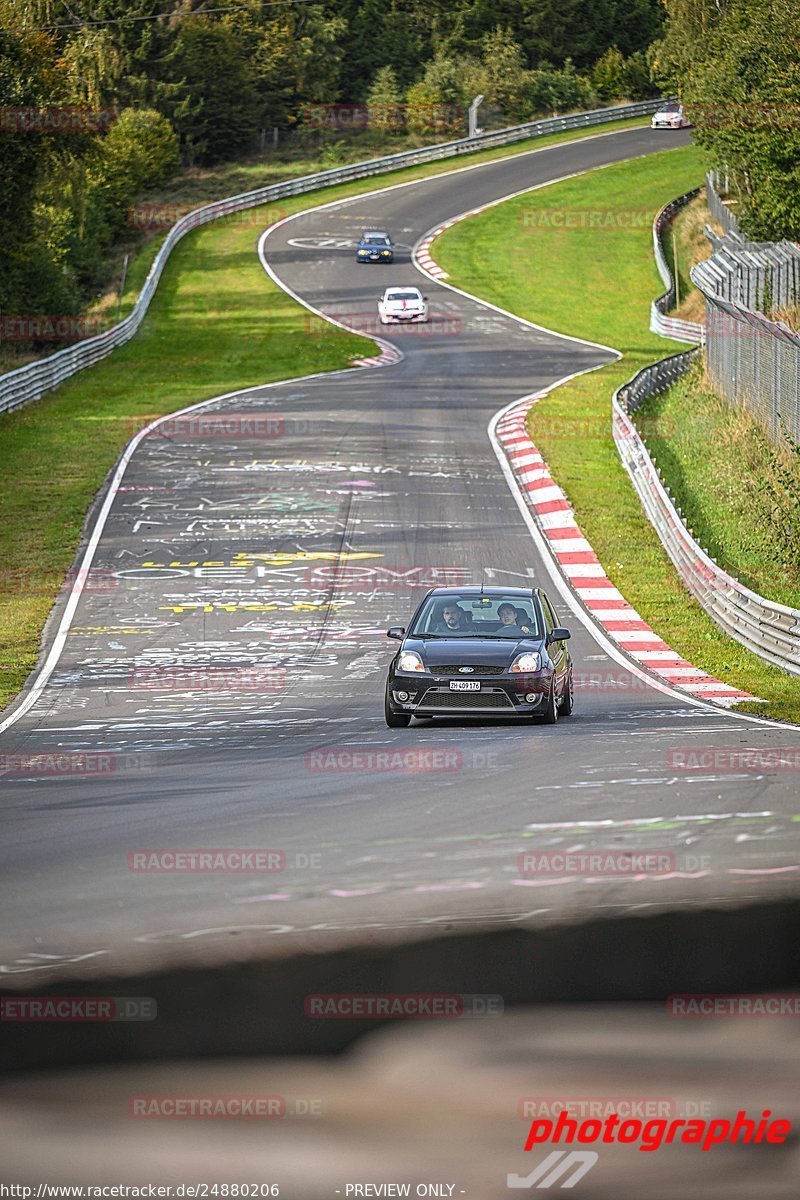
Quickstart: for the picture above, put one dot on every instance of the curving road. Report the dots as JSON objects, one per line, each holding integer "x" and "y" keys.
{"x": 226, "y": 660}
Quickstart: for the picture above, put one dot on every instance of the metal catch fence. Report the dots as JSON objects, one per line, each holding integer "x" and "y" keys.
{"x": 752, "y": 360}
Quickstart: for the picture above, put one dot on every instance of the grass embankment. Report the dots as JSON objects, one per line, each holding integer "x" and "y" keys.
{"x": 741, "y": 496}
{"x": 577, "y": 257}
{"x": 692, "y": 247}
{"x": 217, "y": 324}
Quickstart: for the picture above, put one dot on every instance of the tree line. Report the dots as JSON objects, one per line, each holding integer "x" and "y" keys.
{"x": 736, "y": 65}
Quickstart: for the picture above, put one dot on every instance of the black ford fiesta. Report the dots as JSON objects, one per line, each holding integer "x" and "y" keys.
{"x": 480, "y": 652}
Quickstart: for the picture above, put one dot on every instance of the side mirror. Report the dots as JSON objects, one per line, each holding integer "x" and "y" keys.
{"x": 559, "y": 634}
{"x": 425, "y": 298}
{"x": 397, "y": 632}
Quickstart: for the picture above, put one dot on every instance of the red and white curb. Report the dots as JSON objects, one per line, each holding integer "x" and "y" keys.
{"x": 385, "y": 358}
{"x": 585, "y": 573}
{"x": 422, "y": 254}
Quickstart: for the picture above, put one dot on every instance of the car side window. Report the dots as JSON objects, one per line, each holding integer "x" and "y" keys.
{"x": 549, "y": 615}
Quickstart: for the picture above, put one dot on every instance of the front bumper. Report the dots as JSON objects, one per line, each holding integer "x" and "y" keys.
{"x": 378, "y": 258}
{"x": 404, "y": 320}
{"x": 499, "y": 695}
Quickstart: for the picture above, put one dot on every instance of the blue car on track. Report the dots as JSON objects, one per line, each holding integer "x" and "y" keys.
{"x": 375, "y": 247}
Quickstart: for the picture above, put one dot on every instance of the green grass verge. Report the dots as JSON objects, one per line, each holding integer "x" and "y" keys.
{"x": 216, "y": 324}
{"x": 741, "y": 496}
{"x": 540, "y": 256}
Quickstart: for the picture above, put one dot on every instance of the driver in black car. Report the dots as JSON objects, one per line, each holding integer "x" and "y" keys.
{"x": 453, "y": 619}
{"x": 512, "y": 620}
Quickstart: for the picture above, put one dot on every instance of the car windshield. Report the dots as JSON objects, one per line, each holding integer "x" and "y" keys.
{"x": 477, "y": 616}
{"x": 668, "y": 108}
{"x": 373, "y": 239}
{"x": 402, "y": 296}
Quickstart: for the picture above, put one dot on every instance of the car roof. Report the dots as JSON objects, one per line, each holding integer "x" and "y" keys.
{"x": 375, "y": 233}
{"x": 477, "y": 591}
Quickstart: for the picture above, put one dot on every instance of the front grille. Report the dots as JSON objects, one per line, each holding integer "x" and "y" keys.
{"x": 455, "y": 669}
{"x": 444, "y": 698}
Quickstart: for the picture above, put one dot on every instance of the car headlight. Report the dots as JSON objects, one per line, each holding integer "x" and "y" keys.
{"x": 387, "y": 252}
{"x": 527, "y": 662}
{"x": 409, "y": 661}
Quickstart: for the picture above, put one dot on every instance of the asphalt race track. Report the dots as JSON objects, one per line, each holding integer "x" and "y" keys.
{"x": 226, "y": 661}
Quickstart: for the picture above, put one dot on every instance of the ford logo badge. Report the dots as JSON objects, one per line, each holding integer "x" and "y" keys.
{"x": 465, "y": 670}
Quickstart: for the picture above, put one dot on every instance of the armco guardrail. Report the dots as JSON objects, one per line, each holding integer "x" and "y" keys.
{"x": 770, "y": 630}
{"x": 34, "y": 380}
{"x": 660, "y": 322}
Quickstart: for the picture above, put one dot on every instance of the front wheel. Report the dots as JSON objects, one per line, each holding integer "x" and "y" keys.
{"x": 550, "y": 714}
{"x": 568, "y": 699}
{"x": 395, "y": 720}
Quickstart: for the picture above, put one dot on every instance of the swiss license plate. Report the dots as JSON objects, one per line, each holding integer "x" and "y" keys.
{"x": 464, "y": 685}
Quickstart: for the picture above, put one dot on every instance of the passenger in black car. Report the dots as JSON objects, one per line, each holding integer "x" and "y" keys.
{"x": 513, "y": 620}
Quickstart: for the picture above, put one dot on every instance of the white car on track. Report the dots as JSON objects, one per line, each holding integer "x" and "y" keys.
{"x": 402, "y": 304}
{"x": 671, "y": 116}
